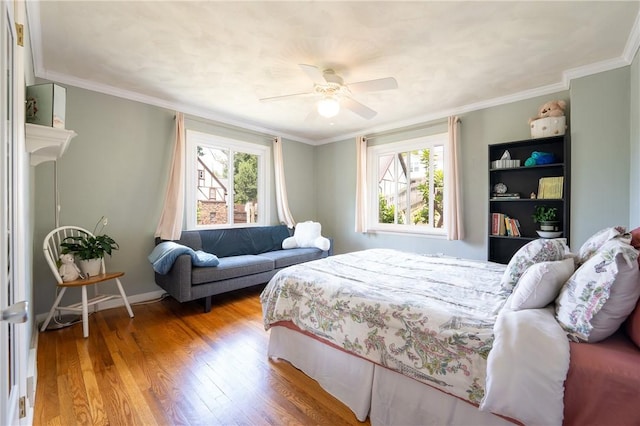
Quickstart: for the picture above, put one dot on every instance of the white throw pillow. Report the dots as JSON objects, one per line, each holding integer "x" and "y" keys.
{"x": 601, "y": 293}
{"x": 307, "y": 234}
{"x": 594, "y": 242}
{"x": 541, "y": 283}
{"x": 536, "y": 251}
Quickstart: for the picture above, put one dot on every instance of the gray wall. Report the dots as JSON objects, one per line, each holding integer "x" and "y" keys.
{"x": 600, "y": 152}
{"x": 604, "y": 188}
{"x": 634, "y": 157}
{"x": 117, "y": 166}
{"x": 336, "y": 171}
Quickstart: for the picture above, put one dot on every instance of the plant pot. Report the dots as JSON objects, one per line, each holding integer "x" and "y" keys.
{"x": 90, "y": 267}
{"x": 550, "y": 226}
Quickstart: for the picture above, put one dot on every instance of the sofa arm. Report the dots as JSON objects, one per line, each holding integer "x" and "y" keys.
{"x": 178, "y": 281}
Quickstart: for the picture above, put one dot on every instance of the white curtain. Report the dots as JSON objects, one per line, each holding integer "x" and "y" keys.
{"x": 284, "y": 215}
{"x": 361, "y": 184}
{"x": 170, "y": 225}
{"x": 452, "y": 172}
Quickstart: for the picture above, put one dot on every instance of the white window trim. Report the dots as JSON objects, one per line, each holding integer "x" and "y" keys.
{"x": 195, "y": 138}
{"x": 373, "y": 152}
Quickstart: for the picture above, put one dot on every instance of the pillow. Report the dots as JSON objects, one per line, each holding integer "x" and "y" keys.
{"x": 594, "y": 242}
{"x": 635, "y": 241}
{"x": 307, "y": 234}
{"x": 633, "y": 325}
{"x": 536, "y": 251}
{"x": 601, "y": 293}
{"x": 540, "y": 284}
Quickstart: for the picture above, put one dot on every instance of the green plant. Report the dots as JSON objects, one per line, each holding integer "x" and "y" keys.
{"x": 545, "y": 214}
{"x": 86, "y": 246}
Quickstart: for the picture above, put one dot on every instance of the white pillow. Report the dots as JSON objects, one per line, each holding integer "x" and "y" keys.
{"x": 536, "y": 251}
{"x": 307, "y": 234}
{"x": 594, "y": 242}
{"x": 541, "y": 283}
{"x": 601, "y": 293}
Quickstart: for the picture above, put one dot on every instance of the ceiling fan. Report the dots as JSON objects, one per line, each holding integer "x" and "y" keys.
{"x": 334, "y": 93}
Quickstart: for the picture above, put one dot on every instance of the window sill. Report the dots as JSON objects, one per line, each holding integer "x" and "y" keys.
{"x": 441, "y": 235}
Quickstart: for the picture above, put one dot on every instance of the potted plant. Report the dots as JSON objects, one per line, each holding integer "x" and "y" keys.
{"x": 547, "y": 217}
{"x": 90, "y": 249}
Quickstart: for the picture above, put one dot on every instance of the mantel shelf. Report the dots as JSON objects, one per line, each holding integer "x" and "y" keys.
{"x": 46, "y": 143}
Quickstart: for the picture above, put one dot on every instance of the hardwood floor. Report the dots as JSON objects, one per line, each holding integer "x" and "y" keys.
{"x": 174, "y": 364}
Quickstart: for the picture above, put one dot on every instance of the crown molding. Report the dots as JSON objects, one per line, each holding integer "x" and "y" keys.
{"x": 177, "y": 106}
{"x": 633, "y": 43}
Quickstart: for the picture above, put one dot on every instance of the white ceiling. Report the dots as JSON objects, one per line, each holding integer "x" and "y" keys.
{"x": 215, "y": 59}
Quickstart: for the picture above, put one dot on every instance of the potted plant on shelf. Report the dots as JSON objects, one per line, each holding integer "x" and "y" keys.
{"x": 547, "y": 217}
{"x": 90, "y": 249}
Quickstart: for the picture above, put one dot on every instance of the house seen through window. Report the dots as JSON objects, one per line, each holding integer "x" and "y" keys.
{"x": 407, "y": 184}
{"x": 225, "y": 181}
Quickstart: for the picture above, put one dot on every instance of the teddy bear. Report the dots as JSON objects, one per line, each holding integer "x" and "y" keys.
{"x": 68, "y": 270}
{"x": 550, "y": 109}
{"x": 307, "y": 234}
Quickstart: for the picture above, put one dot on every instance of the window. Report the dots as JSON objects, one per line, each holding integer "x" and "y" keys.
{"x": 226, "y": 182}
{"x": 407, "y": 186}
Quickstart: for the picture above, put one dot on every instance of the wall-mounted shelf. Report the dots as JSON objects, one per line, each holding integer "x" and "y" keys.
{"x": 46, "y": 143}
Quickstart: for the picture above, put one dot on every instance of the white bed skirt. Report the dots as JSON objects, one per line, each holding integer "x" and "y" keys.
{"x": 387, "y": 397}
{"x": 346, "y": 377}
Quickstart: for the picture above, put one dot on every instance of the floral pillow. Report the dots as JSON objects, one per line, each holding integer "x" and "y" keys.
{"x": 635, "y": 241}
{"x": 540, "y": 250}
{"x": 600, "y": 295}
{"x": 540, "y": 284}
{"x": 594, "y": 242}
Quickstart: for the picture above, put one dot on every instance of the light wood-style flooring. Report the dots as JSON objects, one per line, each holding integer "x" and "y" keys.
{"x": 175, "y": 364}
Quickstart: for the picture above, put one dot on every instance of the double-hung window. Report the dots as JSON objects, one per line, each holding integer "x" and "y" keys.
{"x": 406, "y": 186}
{"x": 226, "y": 182}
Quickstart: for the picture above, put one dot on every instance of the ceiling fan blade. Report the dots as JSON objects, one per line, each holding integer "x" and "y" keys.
{"x": 292, "y": 95}
{"x": 314, "y": 73}
{"x": 387, "y": 83}
{"x": 360, "y": 109}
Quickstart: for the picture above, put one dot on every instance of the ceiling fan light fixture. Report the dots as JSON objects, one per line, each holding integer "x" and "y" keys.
{"x": 328, "y": 106}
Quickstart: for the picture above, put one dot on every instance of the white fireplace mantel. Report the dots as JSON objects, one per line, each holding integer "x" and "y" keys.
{"x": 46, "y": 143}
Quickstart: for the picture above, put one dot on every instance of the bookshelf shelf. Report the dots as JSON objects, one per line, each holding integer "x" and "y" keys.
{"x": 523, "y": 181}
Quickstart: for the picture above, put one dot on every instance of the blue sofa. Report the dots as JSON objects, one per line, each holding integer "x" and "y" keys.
{"x": 247, "y": 257}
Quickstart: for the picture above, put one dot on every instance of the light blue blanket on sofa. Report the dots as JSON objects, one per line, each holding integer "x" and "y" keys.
{"x": 165, "y": 253}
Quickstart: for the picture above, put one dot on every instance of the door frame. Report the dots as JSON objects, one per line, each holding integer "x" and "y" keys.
{"x": 21, "y": 258}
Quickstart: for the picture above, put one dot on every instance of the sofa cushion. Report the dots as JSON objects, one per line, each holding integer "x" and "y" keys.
{"x": 284, "y": 258}
{"x": 231, "y": 267}
{"x": 190, "y": 239}
{"x": 240, "y": 241}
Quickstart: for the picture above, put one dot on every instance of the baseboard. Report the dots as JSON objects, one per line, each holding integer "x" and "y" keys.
{"x": 136, "y": 298}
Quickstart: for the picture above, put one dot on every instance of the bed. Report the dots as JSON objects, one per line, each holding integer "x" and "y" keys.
{"x": 403, "y": 338}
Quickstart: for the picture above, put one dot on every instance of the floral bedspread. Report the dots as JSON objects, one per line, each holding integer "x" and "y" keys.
{"x": 427, "y": 317}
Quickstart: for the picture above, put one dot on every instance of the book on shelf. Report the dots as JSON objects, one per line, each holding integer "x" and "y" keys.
{"x": 502, "y": 224}
{"x": 515, "y": 227}
{"x": 550, "y": 187}
{"x": 497, "y": 224}
{"x": 505, "y": 196}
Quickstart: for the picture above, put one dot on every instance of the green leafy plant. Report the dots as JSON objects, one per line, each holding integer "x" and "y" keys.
{"x": 86, "y": 246}
{"x": 545, "y": 214}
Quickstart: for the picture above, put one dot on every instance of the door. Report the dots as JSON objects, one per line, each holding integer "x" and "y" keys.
{"x": 13, "y": 334}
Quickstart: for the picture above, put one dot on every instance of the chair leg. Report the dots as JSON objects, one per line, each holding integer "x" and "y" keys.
{"x": 124, "y": 297}
{"x": 85, "y": 313}
{"x": 53, "y": 309}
